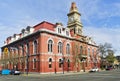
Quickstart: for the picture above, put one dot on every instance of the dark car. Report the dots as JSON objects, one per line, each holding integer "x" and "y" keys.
{"x": 0, "y": 71}
{"x": 15, "y": 72}
{"x": 109, "y": 68}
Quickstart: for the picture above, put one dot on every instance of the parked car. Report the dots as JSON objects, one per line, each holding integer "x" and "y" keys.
{"x": 0, "y": 71}
{"x": 109, "y": 68}
{"x": 15, "y": 72}
{"x": 95, "y": 69}
{"x": 5, "y": 72}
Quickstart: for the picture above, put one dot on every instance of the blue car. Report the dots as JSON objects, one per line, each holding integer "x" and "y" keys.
{"x": 5, "y": 72}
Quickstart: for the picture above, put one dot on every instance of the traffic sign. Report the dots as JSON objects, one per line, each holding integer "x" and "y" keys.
{"x": 5, "y": 50}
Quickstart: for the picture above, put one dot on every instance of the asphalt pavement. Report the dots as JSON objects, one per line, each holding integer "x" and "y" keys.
{"x": 113, "y": 75}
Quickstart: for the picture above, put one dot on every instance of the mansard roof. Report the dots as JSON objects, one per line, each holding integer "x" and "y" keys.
{"x": 44, "y": 25}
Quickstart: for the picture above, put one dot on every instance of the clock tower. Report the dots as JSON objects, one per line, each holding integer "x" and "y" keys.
{"x": 74, "y": 22}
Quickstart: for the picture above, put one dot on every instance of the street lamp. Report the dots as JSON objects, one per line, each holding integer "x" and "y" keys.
{"x": 27, "y": 63}
{"x": 63, "y": 63}
{"x": 63, "y": 58}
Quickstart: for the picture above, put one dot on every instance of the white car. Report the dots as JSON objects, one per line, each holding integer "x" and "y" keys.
{"x": 15, "y": 72}
{"x": 94, "y": 70}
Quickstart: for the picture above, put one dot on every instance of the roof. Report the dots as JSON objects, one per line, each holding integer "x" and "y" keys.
{"x": 44, "y": 25}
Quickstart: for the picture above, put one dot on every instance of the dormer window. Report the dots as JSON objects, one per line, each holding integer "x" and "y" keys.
{"x": 67, "y": 33}
{"x": 29, "y": 29}
{"x": 59, "y": 30}
{"x": 16, "y": 36}
{"x": 23, "y": 32}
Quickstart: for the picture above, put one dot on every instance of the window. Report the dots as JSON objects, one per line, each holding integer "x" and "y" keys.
{"x": 67, "y": 33}
{"x": 17, "y": 51}
{"x": 27, "y": 48}
{"x": 60, "y": 63}
{"x": 68, "y": 63}
{"x": 85, "y": 50}
{"x": 59, "y": 47}
{"x": 93, "y": 52}
{"x": 79, "y": 31}
{"x": 59, "y": 30}
{"x": 68, "y": 49}
{"x": 50, "y": 63}
{"x": 34, "y": 63}
{"x": 88, "y": 52}
{"x": 81, "y": 50}
{"x": 50, "y": 46}
{"x": 35, "y": 47}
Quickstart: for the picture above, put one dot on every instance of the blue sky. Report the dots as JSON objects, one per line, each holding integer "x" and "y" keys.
{"x": 100, "y": 18}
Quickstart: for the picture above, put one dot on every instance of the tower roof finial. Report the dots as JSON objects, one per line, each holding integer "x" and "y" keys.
{"x": 73, "y": 7}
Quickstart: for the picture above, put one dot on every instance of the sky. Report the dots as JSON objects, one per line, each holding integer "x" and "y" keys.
{"x": 100, "y": 18}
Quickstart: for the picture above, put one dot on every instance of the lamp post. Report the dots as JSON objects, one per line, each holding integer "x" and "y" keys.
{"x": 27, "y": 63}
{"x": 63, "y": 58}
{"x": 63, "y": 63}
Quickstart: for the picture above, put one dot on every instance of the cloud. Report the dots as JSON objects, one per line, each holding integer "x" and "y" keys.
{"x": 102, "y": 35}
{"x": 98, "y": 10}
{"x": 17, "y": 15}
{"x": 9, "y": 30}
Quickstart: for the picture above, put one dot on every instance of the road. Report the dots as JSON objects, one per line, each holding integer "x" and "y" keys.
{"x": 113, "y": 75}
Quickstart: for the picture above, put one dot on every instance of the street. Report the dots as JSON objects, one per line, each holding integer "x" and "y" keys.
{"x": 113, "y": 75}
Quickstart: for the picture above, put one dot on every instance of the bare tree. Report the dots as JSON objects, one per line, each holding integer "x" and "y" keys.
{"x": 76, "y": 56}
{"x": 105, "y": 51}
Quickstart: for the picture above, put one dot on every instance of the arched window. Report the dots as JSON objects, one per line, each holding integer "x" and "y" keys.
{"x": 60, "y": 63}
{"x": 88, "y": 52}
{"x": 50, "y": 46}
{"x": 85, "y": 50}
{"x": 50, "y": 62}
{"x": 68, "y": 49}
{"x": 35, "y": 47}
{"x": 68, "y": 63}
{"x": 59, "y": 47}
{"x": 93, "y": 52}
{"x": 34, "y": 63}
{"x": 27, "y": 48}
{"x": 81, "y": 50}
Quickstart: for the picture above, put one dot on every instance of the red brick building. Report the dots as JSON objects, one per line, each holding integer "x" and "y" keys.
{"x": 51, "y": 48}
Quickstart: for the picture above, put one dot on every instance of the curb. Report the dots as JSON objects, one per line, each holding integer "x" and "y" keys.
{"x": 58, "y": 74}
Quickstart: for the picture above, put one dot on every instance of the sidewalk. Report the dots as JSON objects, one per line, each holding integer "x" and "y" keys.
{"x": 53, "y": 74}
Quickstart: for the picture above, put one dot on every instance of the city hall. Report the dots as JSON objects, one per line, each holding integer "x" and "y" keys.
{"x": 51, "y": 47}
